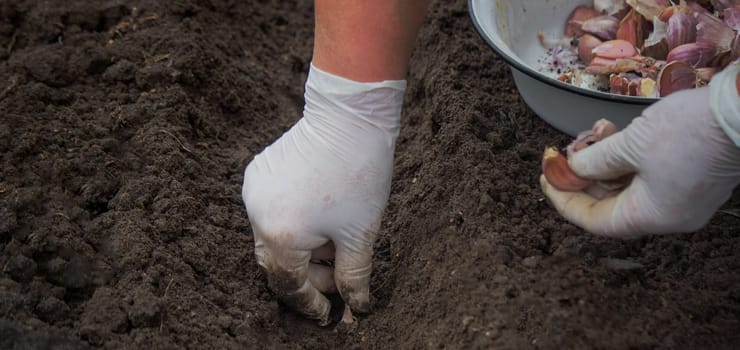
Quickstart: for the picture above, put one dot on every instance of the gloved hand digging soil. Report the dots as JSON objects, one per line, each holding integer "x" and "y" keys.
{"x": 319, "y": 192}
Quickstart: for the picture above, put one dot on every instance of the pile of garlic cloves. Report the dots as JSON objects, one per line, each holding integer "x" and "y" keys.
{"x": 648, "y": 48}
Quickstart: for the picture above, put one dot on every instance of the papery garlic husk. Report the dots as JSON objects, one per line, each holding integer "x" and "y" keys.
{"x": 632, "y": 28}
{"x": 586, "y": 44}
{"x": 676, "y": 76}
{"x": 681, "y": 29}
{"x": 704, "y": 75}
{"x": 694, "y": 54}
{"x": 649, "y": 8}
{"x": 656, "y": 44}
{"x": 713, "y": 31}
{"x": 611, "y": 7}
{"x": 603, "y": 27}
{"x": 576, "y": 18}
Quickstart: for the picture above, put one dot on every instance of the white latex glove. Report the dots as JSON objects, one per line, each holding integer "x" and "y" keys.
{"x": 325, "y": 181}
{"x": 686, "y": 166}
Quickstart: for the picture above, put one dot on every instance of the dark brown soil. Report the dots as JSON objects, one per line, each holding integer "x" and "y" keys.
{"x": 124, "y": 131}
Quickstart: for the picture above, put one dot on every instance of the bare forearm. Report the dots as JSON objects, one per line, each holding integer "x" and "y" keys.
{"x": 367, "y": 40}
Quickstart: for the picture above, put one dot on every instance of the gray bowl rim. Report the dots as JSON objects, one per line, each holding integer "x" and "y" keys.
{"x": 554, "y": 82}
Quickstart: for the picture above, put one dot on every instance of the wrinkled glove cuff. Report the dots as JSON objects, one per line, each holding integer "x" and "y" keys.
{"x": 724, "y": 100}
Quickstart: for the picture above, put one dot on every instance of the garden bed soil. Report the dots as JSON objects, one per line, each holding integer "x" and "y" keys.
{"x": 124, "y": 131}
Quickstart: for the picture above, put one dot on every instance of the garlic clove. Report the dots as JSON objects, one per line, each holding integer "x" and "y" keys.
{"x": 694, "y": 54}
{"x": 713, "y": 31}
{"x": 632, "y": 29}
{"x": 603, "y": 27}
{"x": 681, "y": 29}
{"x": 732, "y": 17}
{"x": 586, "y": 44}
{"x": 603, "y": 66}
{"x": 648, "y": 8}
{"x": 676, "y": 76}
{"x": 576, "y": 18}
{"x": 558, "y": 173}
{"x": 615, "y": 49}
{"x": 603, "y": 128}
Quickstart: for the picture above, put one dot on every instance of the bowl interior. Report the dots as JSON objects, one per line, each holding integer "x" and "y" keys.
{"x": 511, "y": 27}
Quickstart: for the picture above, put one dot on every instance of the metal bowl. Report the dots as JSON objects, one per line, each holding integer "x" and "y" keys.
{"x": 510, "y": 27}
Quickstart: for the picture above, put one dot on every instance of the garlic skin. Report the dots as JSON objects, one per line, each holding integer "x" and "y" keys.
{"x": 603, "y": 27}
{"x": 648, "y": 8}
{"x": 610, "y": 7}
{"x": 732, "y": 17}
{"x": 676, "y": 76}
{"x": 558, "y": 173}
{"x": 586, "y": 44}
{"x": 713, "y": 31}
{"x": 681, "y": 29}
{"x": 576, "y": 18}
{"x": 632, "y": 28}
{"x": 694, "y": 54}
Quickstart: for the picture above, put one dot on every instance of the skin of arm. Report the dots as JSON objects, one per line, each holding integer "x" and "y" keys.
{"x": 367, "y": 40}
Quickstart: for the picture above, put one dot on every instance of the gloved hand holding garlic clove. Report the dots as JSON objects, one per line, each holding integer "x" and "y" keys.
{"x": 681, "y": 161}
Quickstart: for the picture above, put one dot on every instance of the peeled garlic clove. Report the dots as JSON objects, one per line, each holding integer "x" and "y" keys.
{"x": 676, "y": 76}
{"x": 681, "y": 29}
{"x": 694, "y": 54}
{"x": 712, "y": 31}
{"x": 579, "y": 15}
{"x": 586, "y": 44}
{"x": 603, "y": 27}
{"x": 558, "y": 173}
{"x": 615, "y": 49}
{"x": 648, "y": 8}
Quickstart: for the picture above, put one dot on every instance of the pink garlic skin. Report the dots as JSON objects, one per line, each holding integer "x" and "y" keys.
{"x": 694, "y": 54}
{"x": 732, "y": 17}
{"x": 603, "y": 27}
{"x": 681, "y": 29}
